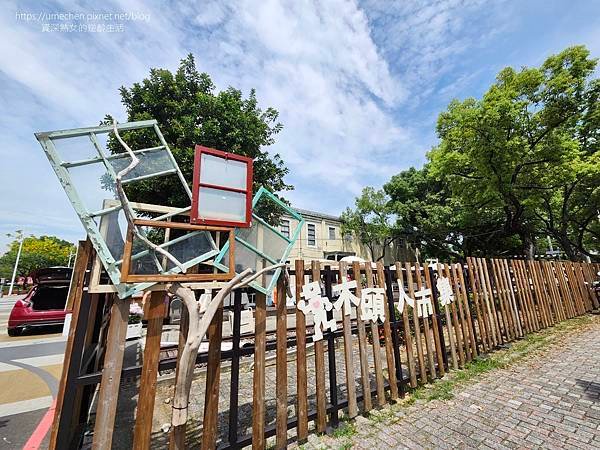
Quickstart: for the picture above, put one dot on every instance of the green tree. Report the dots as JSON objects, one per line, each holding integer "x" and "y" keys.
{"x": 371, "y": 222}
{"x": 527, "y": 152}
{"x": 37, "y": 253}
{"x": 189, "y": 111}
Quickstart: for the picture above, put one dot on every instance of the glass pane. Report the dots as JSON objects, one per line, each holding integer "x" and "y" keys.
{"x": 150, "y": 163}
{"x": 221, "y": 205}
{"x": 223, "y": 172}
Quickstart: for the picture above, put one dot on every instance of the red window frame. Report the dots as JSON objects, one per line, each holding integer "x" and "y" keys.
{"x": 197, "y": 183}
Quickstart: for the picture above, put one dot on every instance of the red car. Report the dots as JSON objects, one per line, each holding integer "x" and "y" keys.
{"x": 44, "y": 305}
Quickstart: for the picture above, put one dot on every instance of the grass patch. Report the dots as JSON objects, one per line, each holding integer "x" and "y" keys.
{"x": 345, "y": 430}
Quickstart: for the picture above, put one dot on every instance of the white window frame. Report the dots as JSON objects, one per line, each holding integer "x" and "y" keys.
{"x": 289, "y": 225}
{"x": 329, "y": 229}
{"x": 308, "y": 244}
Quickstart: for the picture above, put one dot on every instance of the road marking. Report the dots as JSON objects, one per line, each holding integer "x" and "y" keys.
{"x": 36, "y": 361}
{"x": 38, "y": 435}
{"x": 33, "y": 342}
{"x": 9, "y": 409}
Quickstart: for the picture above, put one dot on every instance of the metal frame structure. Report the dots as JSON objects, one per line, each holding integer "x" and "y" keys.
{"x": 61, "y": 168}
{"x": 269, "y": 258}
{"x": 198, "y": 183}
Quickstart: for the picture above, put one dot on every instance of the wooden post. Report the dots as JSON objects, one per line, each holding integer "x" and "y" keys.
{"x": 429, "y": 345}
{"x": 281, "y": 366}
{"x": 513, "y": 300}
{"x": 71, "y": 366}
{"x": 155, "y": 311}
{"x": 108, "y": 394}
{"x": 481, "y": 323}
{"x": 410, "y": 356}
{"x": 437, "y": 330}
{"x": 320, "y": 366}
{"x": 258, "y": 392}
{"x": 456, "y": 325}
{"x": 468, "y": 315}
{"x": 213, "y": 378}
{"x": 416, "y": 324}
{"x": 362, "y": 343}
{"x": 301, "y": 382}
{"x": 177, "y": 435}
{"x": 348, "y": 351}
{"x": 387, "y": 332}
{"x": 376, "y": 348}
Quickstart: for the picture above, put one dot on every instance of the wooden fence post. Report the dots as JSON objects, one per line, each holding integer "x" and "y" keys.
{"x": 387, "y": 332}
{"x": 155, "y": 311}
{"x": 362, "y": 343}
{"x": 108, "y": 394}
{"x": 258, "y": 391}
{"x": 320, "y": 365}
{"x": 281, "y": 366}
{"x": 301, "y": 381}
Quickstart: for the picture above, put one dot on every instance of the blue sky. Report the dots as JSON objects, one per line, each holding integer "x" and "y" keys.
{"x": 358, "y": 85}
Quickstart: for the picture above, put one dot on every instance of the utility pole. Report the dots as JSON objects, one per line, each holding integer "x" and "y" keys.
{"x": 70, "y": 256}
{"x": 14, "y": 274}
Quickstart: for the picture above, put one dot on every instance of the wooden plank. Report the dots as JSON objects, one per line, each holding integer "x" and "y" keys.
{"x": 489, "y": 301}
{"x": 490, "y": 289}
{"x": 281, "y": 367}
{"x": 526, "y": 288}
{"x": 437, "y": 329}
{"x": 467, "y": 310}
{"x": 582, "y": 287}
{"x": 456, "y": 324}
{"x": 155, "y": 311}
{"x": 579, "y": 308}
{"x": 501, "y": 296}
{"x": 111, "y": 376}
{"x": 589, "y": 278}
{"x": 540, "y": 292}
{"x": 177, "y": 434}
{"x": 478, "y": 307}
{"x": 213, "y": 378}
{"x": 387, "y": 333}
{"x": 552, "y": 286}
{"x": 319, "y": 367}
{"x": 502, "y": 301}
{"x": 564, "y": 293}
{"x": 417, "y": 326}
{"x": 513, "y": 300}
{"x": 410, "y": 356}
{"x": 376, "y": 347}
{"x": 301, "y": 380}
{"x": 362, "y": 343}
{"x": 429, "y": 345}
{"x": 348, "y": 350}
{"x": 462, "y": 319}
{"x": 258, "y": 390}
{"x": 84, "y": 254}
{"x": 450, "y": 325}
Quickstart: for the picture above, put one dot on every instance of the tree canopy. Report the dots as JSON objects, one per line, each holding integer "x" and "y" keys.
{"x": 371, "y": 222}
{"x": 517, "y": 165}
{"x": 37, "y": 253}
{"x": 189, "y": 111}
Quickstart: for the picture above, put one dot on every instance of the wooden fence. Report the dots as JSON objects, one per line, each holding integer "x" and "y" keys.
{"x": 494, "y": 302}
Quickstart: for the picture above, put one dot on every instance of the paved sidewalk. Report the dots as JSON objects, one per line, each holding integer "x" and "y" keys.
{"x": 551, "y": 401}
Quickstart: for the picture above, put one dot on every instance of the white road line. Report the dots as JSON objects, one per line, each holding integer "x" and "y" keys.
{"x": 36, "y": 361}
{"x": 32, "y": 342}
{"x": 8, "y": 409}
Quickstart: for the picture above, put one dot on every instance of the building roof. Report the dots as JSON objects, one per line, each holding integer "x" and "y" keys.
{"x": 306, "y": 212}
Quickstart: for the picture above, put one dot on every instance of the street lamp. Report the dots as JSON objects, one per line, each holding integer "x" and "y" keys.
{"x": 19, "y": 235}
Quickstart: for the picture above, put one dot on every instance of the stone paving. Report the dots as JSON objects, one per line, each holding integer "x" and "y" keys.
{"x": 550, "y": 401}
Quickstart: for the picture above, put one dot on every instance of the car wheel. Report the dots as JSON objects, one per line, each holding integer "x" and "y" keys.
{"x": 14, "y": 332}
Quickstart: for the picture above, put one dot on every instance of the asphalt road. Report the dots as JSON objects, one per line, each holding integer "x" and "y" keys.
{"x": 30, "y": 367}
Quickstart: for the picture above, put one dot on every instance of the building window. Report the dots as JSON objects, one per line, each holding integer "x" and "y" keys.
{"x": 311, "y": 234}
{"x": 332, "y": 233}
{"x": 284, "y": 227}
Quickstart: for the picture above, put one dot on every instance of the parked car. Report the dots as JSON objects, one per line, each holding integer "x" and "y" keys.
{"x": 44, "y": 305}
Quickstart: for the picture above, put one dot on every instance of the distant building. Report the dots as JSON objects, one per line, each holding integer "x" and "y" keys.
{"x": 321, "y": 238}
